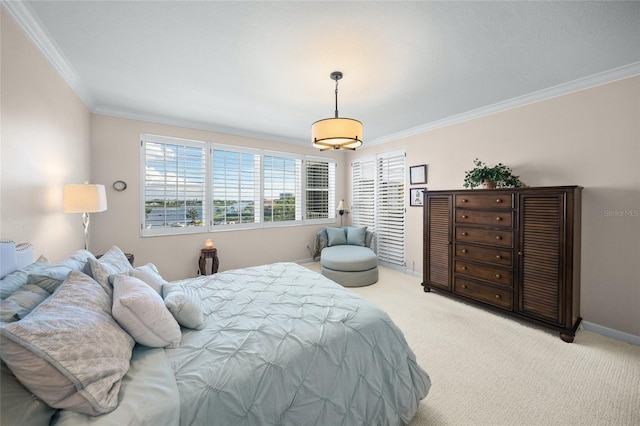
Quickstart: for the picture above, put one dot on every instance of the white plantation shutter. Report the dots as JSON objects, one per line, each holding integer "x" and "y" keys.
{"x": 379, "y": 202}
{"x": 282, "y": 188}
{"x": 235, "y": 187}
{"x": 364, "y": 192}
{"x": 320, "y": 184}
{"x": 174, "y": 186}
{"x": 390, "y": 208}
{"x": 195, "y": 186}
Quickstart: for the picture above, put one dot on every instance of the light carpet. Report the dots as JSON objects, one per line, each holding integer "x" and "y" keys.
{"x": 487, "y": 369}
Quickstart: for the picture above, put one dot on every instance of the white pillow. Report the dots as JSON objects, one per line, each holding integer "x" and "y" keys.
{"x": 150, "y": 275}
{"x": 185, "y": 305}
{"x": 142, "y": 313}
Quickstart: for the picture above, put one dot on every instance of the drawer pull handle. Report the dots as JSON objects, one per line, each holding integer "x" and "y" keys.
{"x": 464, "y": 286}
{"x": 498, "y": 296}
{"x": 464, "y": 200}
{"x": 464, "y": 268}
{"x": 464, "y": 250}
{"x": 498, "y": 218}
{"x": 498, "y": 256}
{"x": 464, "y": 216}
{"x": 464, "y": 234}
{"x": 498, "y": 276}
{"x": 498, "y": 237}
{"x": 499, "y": 200}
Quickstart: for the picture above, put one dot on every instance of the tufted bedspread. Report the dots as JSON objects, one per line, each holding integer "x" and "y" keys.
{"x": 282, "y": 345}
{"x": 285, "y": 345}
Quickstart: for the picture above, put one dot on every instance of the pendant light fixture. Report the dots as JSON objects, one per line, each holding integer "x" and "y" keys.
{"x": 336, "y": 133}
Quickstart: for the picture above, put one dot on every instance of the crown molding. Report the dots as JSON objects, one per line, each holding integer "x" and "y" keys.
{"x": 26, "y": 19}
{"x": 594, "y": 80}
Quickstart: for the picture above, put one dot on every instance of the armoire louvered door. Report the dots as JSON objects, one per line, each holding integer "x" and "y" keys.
{"x": 438, "y": 241}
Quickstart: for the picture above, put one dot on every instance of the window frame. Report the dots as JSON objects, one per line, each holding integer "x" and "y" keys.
{"x": 208, "y": 210}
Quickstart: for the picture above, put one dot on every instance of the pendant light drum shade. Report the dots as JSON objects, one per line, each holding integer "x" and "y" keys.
{"x": 336, "y": 133}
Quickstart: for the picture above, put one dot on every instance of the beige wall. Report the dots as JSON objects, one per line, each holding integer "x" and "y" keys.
{"x": 44, "y": 144}
{"x": 589, "y": 138}
{"x": 115, "y": 156}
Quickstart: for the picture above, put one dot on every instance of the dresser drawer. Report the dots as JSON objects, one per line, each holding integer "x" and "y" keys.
{"x": 484, "y": 272}
{"x": 484, "y": 236}
{"x": 490, "y": 200}
{"x": 496, "y": 296}
{"x": 484, "y": 254}
{"x": 492, "y": 218}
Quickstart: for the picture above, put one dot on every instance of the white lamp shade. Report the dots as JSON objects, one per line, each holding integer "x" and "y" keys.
{"x": 341, "y": 205}
{"x": 336, "y": 133}
{"x": 84, "y": 198}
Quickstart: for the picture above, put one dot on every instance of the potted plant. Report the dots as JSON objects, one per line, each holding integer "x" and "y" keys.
{"x": 498, "y": 176}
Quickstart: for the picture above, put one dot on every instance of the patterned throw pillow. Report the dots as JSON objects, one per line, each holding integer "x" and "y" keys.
{"x": 184, "y": 304}
{"x": 69, "y": 351}
{"x": 113, "y": 262}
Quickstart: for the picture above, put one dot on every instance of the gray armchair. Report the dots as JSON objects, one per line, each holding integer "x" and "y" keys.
{"x": 347, "y": 255}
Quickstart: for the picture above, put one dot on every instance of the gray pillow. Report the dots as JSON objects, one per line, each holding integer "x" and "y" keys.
{"x": 356, "y": 235}
{"x": 150, "y": 275}
{"x": 21, "y": 302}
{"x": 17, "y": 279}
{"x": 69, "y": 351}
{"x": 336, "y": 237}
{"x": 51, "y": 277}
{"x": 184, "y": 304}
{"x": 113, "y": 262}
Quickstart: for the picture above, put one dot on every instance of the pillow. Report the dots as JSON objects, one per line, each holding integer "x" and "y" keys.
{"x": 336, "y": 237}
{"x": 184, "y": 304}
{"x": 150, "y": 275}
{"x": 18, "y": 405}
{"x": 113, "y": 262}
{"x": 355, "y": 235}
{"x": 51, "y": 277}
{"x": 69, "y": 351}
{"x": 17, "y": 279}
{"x": 21, "y": 302}
{"x": 141, "y": 311}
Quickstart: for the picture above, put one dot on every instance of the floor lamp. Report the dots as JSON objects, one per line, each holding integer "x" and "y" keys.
{"x": 84, "y": 198}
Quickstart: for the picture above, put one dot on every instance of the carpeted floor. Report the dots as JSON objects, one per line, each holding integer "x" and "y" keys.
{"x": 487, "y": 369}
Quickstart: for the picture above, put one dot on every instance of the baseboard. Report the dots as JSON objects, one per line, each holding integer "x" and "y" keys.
{"x": 610, "y": 332}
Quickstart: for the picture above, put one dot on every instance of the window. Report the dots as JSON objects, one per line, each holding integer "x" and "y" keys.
{"x": 174, "y": 187}
{"x": 379, "y": 202}
{"x": 193, "y": 186}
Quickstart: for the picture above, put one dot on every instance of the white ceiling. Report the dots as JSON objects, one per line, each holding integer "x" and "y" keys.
{"x": 262, "y": 68}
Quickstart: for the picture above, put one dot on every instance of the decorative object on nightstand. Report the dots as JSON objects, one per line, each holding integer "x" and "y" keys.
{"x": 209, "y": 252}
{"x": 84, "y": 198}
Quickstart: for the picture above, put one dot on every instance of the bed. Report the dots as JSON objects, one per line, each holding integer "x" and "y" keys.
{"x": 271, "y": 344}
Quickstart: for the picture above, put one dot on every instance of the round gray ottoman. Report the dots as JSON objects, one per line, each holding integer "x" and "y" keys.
{"x": 351, "y": 266}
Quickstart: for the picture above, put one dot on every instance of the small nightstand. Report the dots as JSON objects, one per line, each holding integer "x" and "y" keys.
{"x": 208, "y": 254}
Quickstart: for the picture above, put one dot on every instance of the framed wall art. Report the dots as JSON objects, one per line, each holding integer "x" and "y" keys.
{"x": 416, "y": 197}
{"x": 418, "y": 174}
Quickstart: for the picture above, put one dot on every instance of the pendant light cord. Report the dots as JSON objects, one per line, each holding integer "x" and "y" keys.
{"x": 336, "y": 98}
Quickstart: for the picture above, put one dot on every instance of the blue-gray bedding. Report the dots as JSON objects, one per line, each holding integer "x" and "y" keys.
{"x": 285, "y": 345}
{"x": 281, "y": 345}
